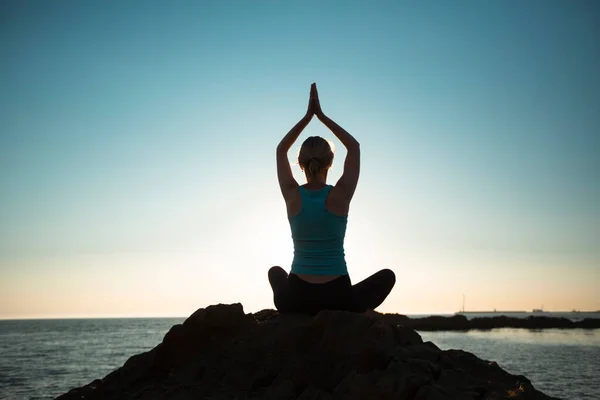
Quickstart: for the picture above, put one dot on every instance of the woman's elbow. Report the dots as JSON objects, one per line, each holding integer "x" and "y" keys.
{"x": 281, "y": 149}
{"x": 354, "y": 146}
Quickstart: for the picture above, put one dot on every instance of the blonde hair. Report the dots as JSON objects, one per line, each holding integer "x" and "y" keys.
{"x": 315, "y": 156}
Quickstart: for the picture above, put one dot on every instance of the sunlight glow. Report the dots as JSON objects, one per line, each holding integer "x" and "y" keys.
{"x": 139, "y": 176}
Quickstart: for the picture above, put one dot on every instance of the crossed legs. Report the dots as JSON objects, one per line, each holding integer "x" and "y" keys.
{"x": 365, "y": 295}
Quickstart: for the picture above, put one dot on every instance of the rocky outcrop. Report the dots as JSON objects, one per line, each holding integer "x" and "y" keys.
{"x": 461, "y": 323}
{"x": 222, "y": 353}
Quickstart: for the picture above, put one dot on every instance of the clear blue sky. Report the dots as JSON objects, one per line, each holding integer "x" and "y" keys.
{"x": 137, "y": 150}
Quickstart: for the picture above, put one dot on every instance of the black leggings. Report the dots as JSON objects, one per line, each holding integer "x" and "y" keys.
{"x": 292, "y": 294}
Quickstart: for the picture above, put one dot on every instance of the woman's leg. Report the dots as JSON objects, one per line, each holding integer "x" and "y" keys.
{"x": 278, "y": 280}
{"x": 371, "y": 292}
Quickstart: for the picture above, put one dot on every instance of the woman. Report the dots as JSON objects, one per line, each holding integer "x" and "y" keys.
{"x": 318, "y": 214}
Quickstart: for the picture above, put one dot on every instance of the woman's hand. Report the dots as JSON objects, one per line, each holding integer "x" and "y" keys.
{"x": 292, "y": 135}
{"x": 317, "y": 104}
{"x": 311, "y": 102}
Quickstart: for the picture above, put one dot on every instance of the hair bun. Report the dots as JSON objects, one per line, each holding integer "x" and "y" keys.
{"x": 315, "y": 155}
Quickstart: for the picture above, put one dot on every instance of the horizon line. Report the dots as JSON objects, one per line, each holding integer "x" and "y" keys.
{"x": 57, "y": 318}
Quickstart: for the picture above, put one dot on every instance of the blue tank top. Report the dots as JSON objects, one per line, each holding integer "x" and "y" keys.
{"x": 318, "y": 236}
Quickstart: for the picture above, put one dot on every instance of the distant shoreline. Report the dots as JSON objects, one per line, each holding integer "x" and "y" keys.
{"x": 459, "y": 322}
{"x": 526, "y": 312}
{"x": 494, "y": 312}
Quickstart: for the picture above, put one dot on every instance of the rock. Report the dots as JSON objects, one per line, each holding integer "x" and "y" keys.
{"x": 201, "y": 331}
{"x": 220, "y": 352}
{"x": 435, "y": 323}
{"x": 431, "y": 392}
{"x": 461, "y": 323}
{"x": 589, "y": 323}
{"x": 281, "y": 391}
{"x": 312, "y": 393}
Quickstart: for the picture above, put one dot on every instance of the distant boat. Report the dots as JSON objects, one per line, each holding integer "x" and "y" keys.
{"x": 538, "y": 310}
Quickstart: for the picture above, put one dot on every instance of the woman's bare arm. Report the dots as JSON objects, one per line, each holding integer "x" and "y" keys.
{"x": 347, "y": 139}
{"x": 287, "y": 183}
{"x": 289, "y": 139}
{"x": 349, "y": 179}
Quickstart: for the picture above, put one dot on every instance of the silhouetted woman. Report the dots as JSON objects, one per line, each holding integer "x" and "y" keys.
{"x": 318, "y": 214}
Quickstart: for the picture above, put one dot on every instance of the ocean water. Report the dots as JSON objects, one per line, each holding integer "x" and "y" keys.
{"x": 41, "y": 359}
{"x": 563, "y": 363}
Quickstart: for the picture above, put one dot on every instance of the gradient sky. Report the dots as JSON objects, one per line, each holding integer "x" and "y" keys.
{"x": 137, "y": 150}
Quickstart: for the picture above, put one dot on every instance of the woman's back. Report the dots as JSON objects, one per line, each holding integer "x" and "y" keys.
{"x": 318, "y": 235}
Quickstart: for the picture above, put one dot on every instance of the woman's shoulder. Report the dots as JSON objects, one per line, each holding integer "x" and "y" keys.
{"x": 336, "y": 203}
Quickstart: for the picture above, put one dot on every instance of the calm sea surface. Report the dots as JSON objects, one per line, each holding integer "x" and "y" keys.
{"x": 40, "y": 359}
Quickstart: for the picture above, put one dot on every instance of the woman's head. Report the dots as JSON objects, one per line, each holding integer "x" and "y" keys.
{"x": 315, "y": 158}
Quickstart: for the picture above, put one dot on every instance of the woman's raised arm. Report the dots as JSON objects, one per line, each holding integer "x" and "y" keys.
{"x": 287, "y": 183}
{"x": 349, "y": 179}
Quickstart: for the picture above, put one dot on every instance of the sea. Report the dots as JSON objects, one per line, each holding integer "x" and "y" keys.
{"x": 41, "y": 359}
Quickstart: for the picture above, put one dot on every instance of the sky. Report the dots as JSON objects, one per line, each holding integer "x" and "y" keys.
{"x": 137, "y": 151}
